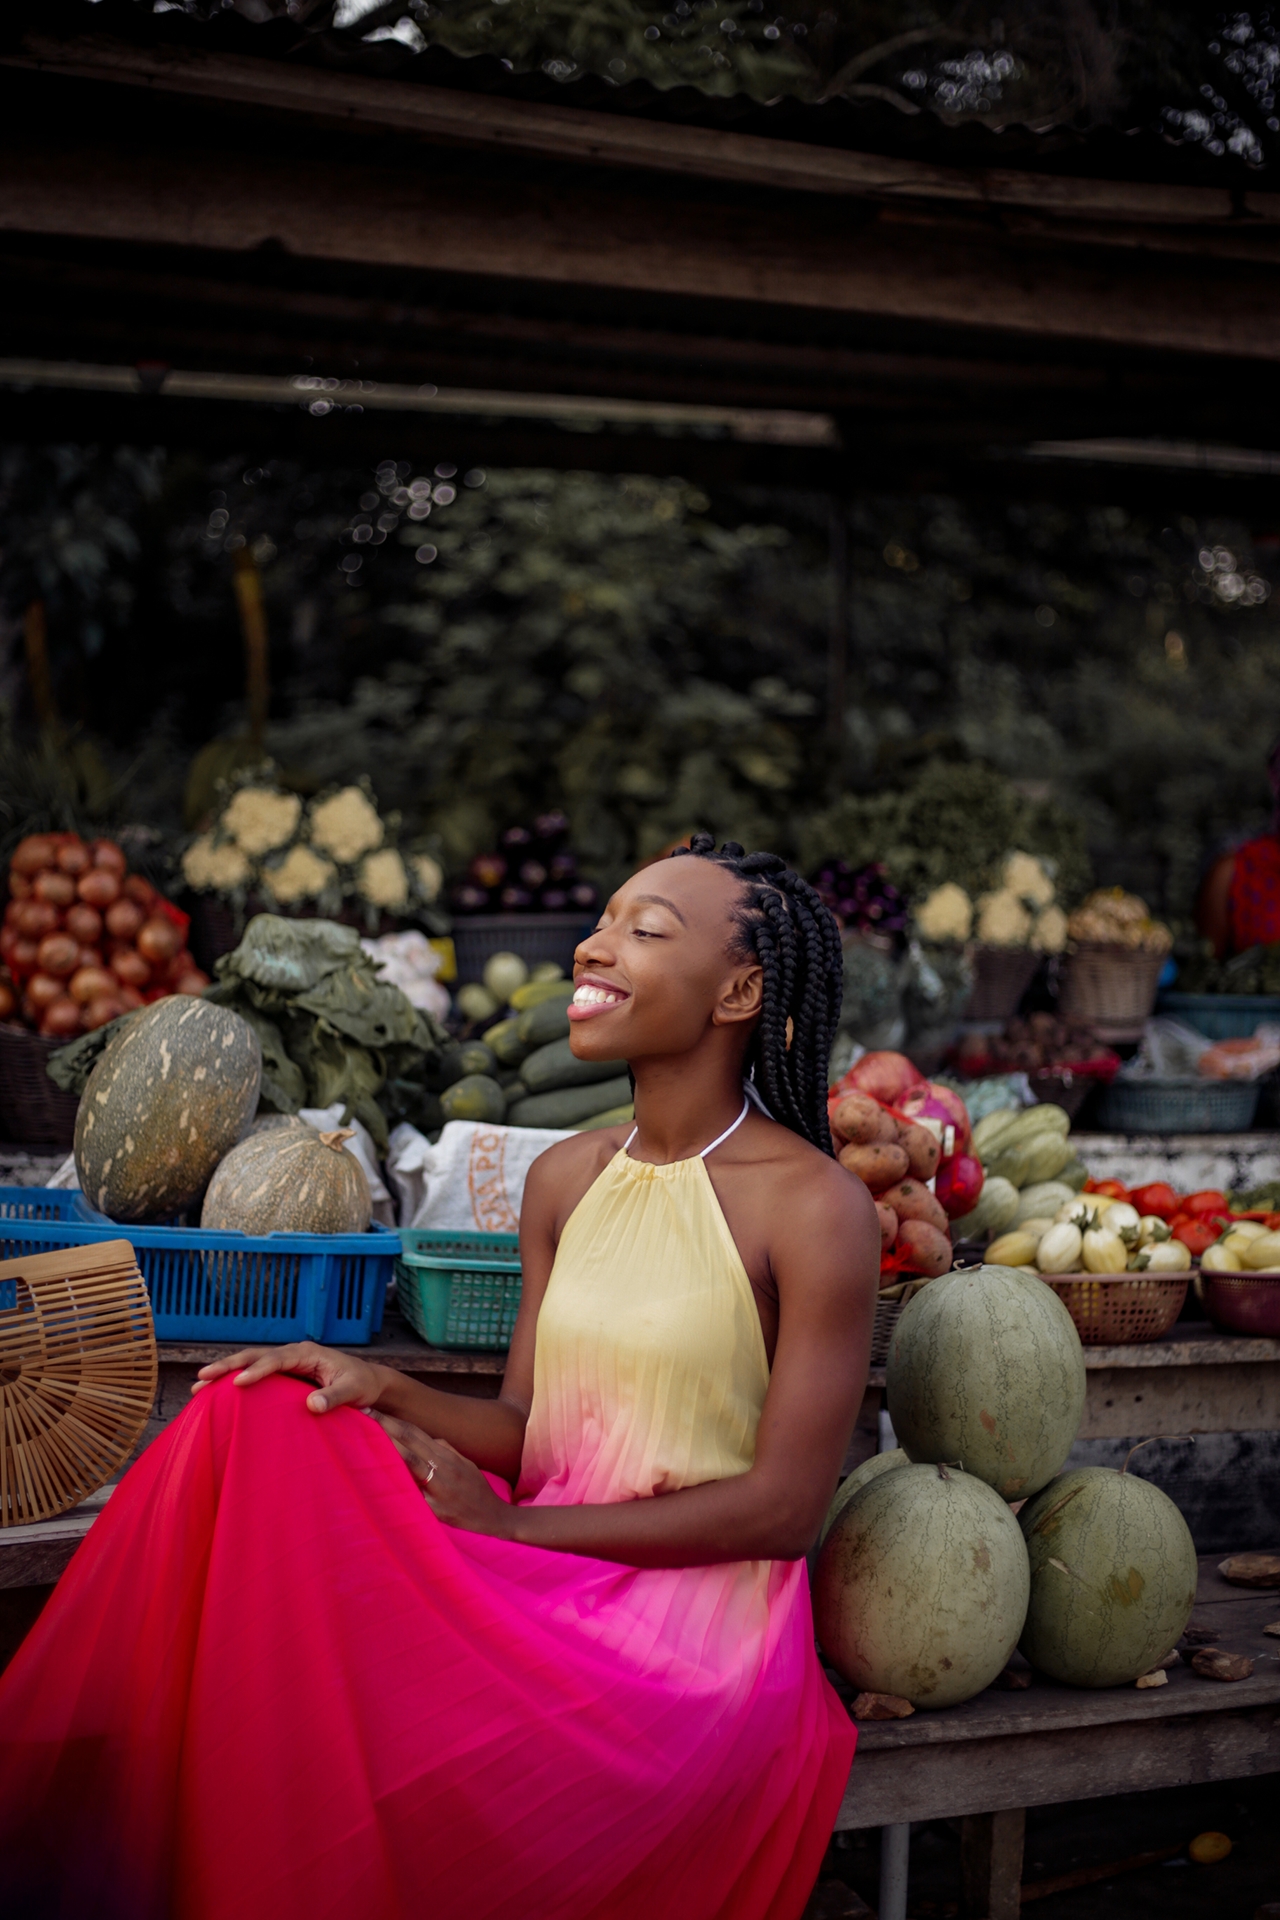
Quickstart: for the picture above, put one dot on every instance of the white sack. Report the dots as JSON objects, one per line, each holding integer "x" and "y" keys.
{"x": 472, "y": 1179}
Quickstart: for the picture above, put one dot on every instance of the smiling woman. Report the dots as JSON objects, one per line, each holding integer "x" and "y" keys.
{"x": 577, "y": 1678}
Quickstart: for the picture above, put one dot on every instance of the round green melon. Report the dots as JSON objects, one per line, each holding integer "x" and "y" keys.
{"x": 986, "y": 1369}
{"x": 877, "y": 1464}
{"x": 169, "y": 1097}
{"x": 477, "y": 1096}
{"x": 289, "y": 1180}
{"x": 921, "y": 1587}
{"x": 1113, "y": 1577}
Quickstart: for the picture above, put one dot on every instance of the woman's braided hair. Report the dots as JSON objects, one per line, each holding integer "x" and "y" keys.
{"x": 784, "y": 925}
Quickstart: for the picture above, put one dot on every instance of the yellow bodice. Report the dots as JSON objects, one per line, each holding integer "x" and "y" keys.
{"x": 650, "y": 1370}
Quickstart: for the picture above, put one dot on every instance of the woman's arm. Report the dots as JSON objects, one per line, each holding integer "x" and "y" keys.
{"x": 827, "y": 1272}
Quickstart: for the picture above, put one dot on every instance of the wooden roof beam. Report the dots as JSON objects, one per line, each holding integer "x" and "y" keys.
{"x": 376, "y": 106}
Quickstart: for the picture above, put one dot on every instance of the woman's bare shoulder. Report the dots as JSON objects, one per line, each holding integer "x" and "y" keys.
{"x": 573, "y": 1164}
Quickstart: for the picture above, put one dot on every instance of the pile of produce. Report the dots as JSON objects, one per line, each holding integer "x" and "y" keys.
{"x": 167, "y": 1119}
{"x": 863, "y": 899}
{"x": 1110, "y": 917}
{"x": 85, "y": 940}
{"x": 1030, "y": 1168}
{"x": 926, "y": 1582}
{"x": 1022, "y": 911}
{"x": 336, "y": 852}
{"x": 899, "y": 1132}
{"x": 1033, "y": 1044}
{"x": 1089, "y": 1233}
{"x": 521, "y": 1072}
{"x": 534, "y": 870}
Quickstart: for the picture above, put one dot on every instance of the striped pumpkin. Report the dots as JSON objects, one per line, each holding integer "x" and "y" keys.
{"x": 169, "y": 1097}
{"x": 285, "y": 1180}
{"x": 986, "y": 1369}
{"x": 921, "y": 1587}
{"x": 1113, "y": 1577}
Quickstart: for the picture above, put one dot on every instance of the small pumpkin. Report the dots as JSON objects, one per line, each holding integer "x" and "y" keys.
{"x": 285, "y": 1180}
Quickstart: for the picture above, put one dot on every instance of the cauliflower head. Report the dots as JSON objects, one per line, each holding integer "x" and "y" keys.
{"x": 1026, "y": 877}
{"x": 947, "y": 914}
{"x": 1049, "y": 934}
{"x": 346, "y": 826}
{"x": 429, "y": 875}
{"x": 259, "y": 819}
{"x": 301, "y": 875}
{"x": 214, "y": 867}
{"x": 383, "y": 880}
{"x": 1003, "y": 921}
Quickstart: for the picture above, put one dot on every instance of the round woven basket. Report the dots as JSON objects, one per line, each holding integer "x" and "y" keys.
{"x": 77, "y": 1375}
{"x": 33, "y": 1112}
{"x": 1120, "y": 1309}
{"x": 1111, "y": 990}
{"x": 1001, "y": 975}
{"x": 887, "y": 1312}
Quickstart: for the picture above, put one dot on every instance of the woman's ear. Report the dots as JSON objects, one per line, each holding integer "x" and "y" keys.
{"x": 741, "y": 997}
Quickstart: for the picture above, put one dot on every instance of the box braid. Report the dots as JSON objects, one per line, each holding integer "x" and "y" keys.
{"x": 784, "y": 925}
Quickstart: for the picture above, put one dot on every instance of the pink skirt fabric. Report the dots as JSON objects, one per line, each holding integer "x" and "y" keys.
{"x": 272, "y": 1686}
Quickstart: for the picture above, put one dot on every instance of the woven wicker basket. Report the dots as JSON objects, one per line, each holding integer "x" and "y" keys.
{"x": 887, "y": 1312}
{"x": 33, "y": 1112}
{"x": 1001, "y": 975}
{"x": 1120, "y": 1309}
{"x": 77, "y": 1375}
{"x": 1111, "y": 990}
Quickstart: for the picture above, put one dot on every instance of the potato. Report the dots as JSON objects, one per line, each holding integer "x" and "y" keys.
{"x": 924, "y": 1249}
{"x": 888, "y": 1225}
{"x": 924, "y": 1150}
{"x": 912, "y": 1201}
{"x": 881, "y": 1164}
{"x": 862, "y": 1121}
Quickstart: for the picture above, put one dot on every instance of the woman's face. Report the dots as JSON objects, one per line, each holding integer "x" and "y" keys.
{"x": 658, "y": 975}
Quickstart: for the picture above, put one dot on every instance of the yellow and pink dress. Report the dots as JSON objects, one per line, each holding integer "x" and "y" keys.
{"x": 273, "y": 1686}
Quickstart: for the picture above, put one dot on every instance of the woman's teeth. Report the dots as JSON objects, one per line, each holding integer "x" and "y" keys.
{"x": 596, "y": 997}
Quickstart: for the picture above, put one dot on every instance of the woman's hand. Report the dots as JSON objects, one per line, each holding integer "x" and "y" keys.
{"x": 343, "y": 1381}
{"x": 457, "y": 1492}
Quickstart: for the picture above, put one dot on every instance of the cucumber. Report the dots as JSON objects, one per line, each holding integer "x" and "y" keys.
{"x": 542, "y": 1024}
{"x": 555, "y": 1066}
{"x": 569, "y": 1106}
{"x": 505, "y": 1044}
{"x": 535, "y": 992}
{"x": 457, "y": 1060}
{"x": 615, "y": 1117}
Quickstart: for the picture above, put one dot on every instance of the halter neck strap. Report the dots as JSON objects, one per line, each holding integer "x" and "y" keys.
{"x": 717, "y": 1142}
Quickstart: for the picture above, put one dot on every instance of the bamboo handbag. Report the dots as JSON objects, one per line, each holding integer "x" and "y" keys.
{"x": 78, "y": 1373}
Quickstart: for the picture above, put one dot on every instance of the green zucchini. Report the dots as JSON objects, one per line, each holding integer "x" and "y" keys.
{"x": 555, "y": 1066}
{"x": 542, "y": 1024}
{"x": 475, "y": 1097}
{"x": 569, "y": 1106}
{"x": 535, "y": 993}
{"x": 505, "y": 1044}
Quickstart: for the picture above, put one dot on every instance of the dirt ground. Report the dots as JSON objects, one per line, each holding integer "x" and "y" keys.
{"x": 1095, "y": 1833}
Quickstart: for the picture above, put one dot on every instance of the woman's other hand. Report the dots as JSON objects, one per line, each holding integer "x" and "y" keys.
{"x": 457, "y": 1492}
{"x": 341, "y": 1380}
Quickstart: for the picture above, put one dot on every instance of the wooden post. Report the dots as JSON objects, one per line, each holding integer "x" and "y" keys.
{"x": 991, "y": 1864}
{"x": 253, "y": 625}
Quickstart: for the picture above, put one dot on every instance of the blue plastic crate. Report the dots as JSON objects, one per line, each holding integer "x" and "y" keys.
{"x": 223, "y": 1286}
{"x": 1221, "y": 1016}
{"x": 459, "y": 1289}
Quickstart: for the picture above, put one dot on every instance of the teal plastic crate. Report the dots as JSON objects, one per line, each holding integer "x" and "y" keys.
{"x": 1221, "y": 1016}
{"x": 459, "y": 1289}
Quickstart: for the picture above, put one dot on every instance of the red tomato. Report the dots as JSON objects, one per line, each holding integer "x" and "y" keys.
{"x": 1113, "y": 1189}
{"x": 1207, "y": 1201}
{"x": 1158, "y": 1198}
{"x": 1196, "y": 1235}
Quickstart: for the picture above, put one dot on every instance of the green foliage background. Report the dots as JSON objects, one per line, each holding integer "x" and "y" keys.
{"x": 656, "y": 659}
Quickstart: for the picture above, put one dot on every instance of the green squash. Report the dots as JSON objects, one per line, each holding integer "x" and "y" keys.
{"x": 921, "y": 1586}
{"x": 1113, "y": 1577}
{"x": 285, "y": 1180}
{"x": 166, "y": 1101}
{"x": 556, "y": 1065}
{"x": 475, "y": 1097}
{"x": 986, "y": 1369}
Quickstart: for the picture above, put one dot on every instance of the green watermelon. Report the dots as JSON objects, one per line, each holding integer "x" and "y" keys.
{"x": 172, "y": 1093}
{"x": 860, "y": 1477}
{"x": 1113, "y": 1577}
{"x": 921, "y": 1587}
{"x": 986, "y": 1369}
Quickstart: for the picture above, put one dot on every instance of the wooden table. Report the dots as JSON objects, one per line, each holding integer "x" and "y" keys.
{"x": 989, "y": 1760}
